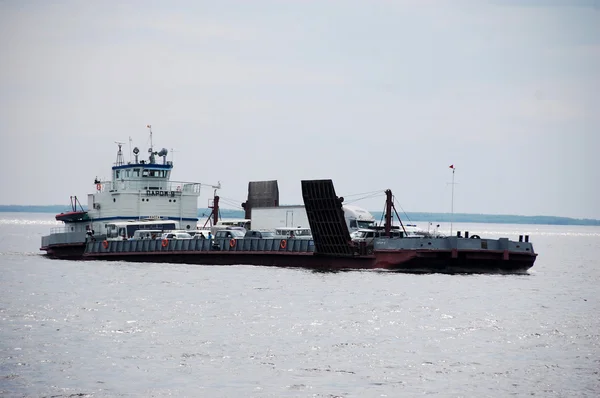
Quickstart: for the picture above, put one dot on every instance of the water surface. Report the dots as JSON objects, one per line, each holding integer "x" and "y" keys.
{"x": 115, "y": 329}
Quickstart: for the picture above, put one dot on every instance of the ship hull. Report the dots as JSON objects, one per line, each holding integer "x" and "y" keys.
{"x": 402, "y": 261}
{"x": 296, "y": 260}
{"x": 443, "y": 261}
{"x": 297, "y": 254}
{"x": 73, "y": 251}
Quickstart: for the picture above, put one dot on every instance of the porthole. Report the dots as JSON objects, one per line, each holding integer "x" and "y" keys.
{"x": 114, "y": 199}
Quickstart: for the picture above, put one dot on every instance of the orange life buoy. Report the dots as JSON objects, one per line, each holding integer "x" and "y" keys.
{"x": 283, "y": 244}
{"x": 105, "y": 244}
{"x": 99, "y": 187}
{"x": 165, "y": 243}
{"x": 232, "y": 243}
{"x": 178, "y": 188}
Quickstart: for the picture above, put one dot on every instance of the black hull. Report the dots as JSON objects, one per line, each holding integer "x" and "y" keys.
{"x": 310, "y": 261}
{"x": 72, "y": 251}
{"x": 432, "y": 261}
{"x": 272, "y": 259}
{"x": 408, "y": 261}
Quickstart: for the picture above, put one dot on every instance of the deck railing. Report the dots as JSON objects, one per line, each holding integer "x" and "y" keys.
{"x": 200, "y": 245}
{"x": 148, "y": 184}
{"x": 60, "y": 230}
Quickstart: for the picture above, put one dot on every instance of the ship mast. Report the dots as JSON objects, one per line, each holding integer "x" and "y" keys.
{"x": 452, "y": 200}
{"x": 120, "y": 161}
{"x": 151, "y": 147}
{"x": 388, "y": 212}
{"x": 130, "y": 140}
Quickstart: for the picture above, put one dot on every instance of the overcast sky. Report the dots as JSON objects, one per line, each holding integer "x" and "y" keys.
{"x": 373, "y": 94}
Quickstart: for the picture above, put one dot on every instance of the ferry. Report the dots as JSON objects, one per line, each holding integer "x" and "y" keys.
{"x": 141, "y": 196}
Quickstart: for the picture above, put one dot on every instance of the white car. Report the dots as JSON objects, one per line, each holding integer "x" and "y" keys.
{"x": 176, "y": 235}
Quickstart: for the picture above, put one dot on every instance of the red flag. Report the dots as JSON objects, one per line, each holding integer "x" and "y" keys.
{"x": 451, "y": 166}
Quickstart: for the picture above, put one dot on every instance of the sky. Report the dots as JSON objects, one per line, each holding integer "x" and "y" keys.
{"x": 373, "y": 94}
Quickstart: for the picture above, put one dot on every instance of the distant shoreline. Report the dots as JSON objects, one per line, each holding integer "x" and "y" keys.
{"x": 408, "y": 217}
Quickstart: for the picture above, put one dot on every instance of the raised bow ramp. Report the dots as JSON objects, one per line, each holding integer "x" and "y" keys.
{"x": 326, "y": 218}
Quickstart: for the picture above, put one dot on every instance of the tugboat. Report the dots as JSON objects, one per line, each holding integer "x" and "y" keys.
{"x": 138, "y": 190}
{"x": 331, "y": 246}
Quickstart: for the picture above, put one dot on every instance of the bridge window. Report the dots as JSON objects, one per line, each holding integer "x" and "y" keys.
{"x": 136, "y": 172}
{"x": 154, "y": 173}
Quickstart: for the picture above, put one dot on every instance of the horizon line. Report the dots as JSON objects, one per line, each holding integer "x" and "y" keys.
{"x": 2, "y": 209}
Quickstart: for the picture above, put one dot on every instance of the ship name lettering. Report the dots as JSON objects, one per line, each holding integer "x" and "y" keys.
{"x": 160, "y": 193}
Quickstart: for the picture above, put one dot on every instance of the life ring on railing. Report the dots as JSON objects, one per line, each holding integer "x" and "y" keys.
{"x": 232, "y": 243}
{"x": 105, "y": 244}
{"x": 165, "y": 243}
{"x": 99, "y": 187}
{"x": 475, "y": 237}
{"x": 178, "y": 188}
{"x": 283, "y": 244}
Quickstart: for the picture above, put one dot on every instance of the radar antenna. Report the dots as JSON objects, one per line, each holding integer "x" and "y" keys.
{"x": 120, "y": 161}
{"x": 163, "y": 152}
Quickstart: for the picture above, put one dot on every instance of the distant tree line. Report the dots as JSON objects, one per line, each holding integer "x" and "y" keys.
{"x": 203, "y": 213}
{"x": 493, "y": 219}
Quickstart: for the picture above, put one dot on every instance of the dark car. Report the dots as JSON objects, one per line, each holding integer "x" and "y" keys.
{"x": 259, "y": 235}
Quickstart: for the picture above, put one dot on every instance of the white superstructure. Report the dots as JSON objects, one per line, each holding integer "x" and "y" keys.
{"x": 269, "y": 218}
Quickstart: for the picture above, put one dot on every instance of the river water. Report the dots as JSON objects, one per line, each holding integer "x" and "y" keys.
{"x": 113, "y": 329}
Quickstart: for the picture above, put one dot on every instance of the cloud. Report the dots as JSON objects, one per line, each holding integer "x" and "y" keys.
{"x": 332, "y": 85}
{"x": 549, "y": 111}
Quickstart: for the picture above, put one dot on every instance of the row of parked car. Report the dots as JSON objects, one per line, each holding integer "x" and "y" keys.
{"x": 229, "y": 233}
{"x": 278, "y": 233}
{"x": 224, "y": 233}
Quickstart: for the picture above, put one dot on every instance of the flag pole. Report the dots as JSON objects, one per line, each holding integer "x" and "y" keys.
{"x": 452, "y": 201}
